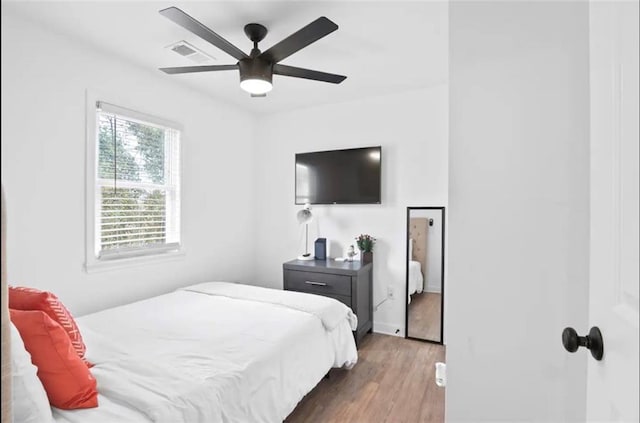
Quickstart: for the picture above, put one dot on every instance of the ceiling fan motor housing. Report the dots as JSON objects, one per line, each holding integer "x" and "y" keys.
{"x": 255, "y": 68}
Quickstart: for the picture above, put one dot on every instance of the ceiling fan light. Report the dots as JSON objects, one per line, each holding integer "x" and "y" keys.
{"x": 255, "y": 75}
{"x": 256, "y": 86}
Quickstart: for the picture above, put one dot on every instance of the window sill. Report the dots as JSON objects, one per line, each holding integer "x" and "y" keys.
{"x": 96, "y": 266}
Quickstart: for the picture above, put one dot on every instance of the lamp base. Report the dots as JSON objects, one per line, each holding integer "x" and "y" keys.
{"x": 306, "y": 257}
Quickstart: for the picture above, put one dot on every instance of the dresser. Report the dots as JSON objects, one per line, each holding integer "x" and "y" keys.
{"x": 347, "y": 282}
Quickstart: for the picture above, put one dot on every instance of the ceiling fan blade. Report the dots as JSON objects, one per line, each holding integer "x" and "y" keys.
{"x": 307, "y": 74}
{"x": 298, "y": 40}
{"x": 187, "y": 22}
{"x": 191, "y": 69}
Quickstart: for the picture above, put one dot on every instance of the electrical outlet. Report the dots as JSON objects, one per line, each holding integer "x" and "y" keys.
{"x": 390, "y": 292}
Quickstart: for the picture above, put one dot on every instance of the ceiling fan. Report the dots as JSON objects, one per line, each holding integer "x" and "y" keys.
{"x": 257, "y": 68}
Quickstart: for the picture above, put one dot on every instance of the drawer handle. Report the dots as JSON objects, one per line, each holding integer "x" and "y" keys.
{"x": 315, "y": 283}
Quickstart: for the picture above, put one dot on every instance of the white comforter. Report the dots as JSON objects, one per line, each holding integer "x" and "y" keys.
{"x": 202, "y": 354}
{"x": 415, "y": 279}
{"x": 330, "y": 312}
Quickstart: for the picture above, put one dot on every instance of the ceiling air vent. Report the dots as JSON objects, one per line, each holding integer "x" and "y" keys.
{"x": 191, "y": 52}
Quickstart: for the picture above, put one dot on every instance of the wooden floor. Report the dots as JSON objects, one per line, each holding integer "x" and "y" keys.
{"x": 393, "y": 381}
{"x": 424, "y": 316}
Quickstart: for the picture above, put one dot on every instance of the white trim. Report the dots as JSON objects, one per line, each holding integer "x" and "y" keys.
{"x": 433, "y": 289}
{"x": 388, "y": 329}
{"x": 130, "y": 114}
{"x": 89, "y": 178}
{"x": 105, "y": 265}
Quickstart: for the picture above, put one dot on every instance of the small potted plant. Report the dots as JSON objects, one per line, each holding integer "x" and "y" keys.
{"x": 365, "y": 245}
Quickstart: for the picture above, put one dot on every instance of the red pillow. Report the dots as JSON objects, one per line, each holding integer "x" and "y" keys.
{"x": 65, "y": 377}
{"x": 21, "y": 298}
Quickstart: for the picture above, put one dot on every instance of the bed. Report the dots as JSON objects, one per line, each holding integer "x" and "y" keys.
{"x": 415, "y": 279}
{"x": 416, "y": 258}
{"x": 213, "y": 352}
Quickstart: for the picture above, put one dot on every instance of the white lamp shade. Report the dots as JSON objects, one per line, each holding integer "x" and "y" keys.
{"x": 304, "y": 216}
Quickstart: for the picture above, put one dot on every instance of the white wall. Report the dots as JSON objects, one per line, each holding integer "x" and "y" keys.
{"x": 518, "y": 210}
{"x": 44, "y": 78}
{"x": 412, "y": 130}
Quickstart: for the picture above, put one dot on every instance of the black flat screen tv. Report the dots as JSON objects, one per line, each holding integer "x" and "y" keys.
{"x": 339, "y": 176}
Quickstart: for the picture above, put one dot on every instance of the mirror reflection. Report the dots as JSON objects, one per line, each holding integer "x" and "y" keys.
{"x": 425, "y": 277}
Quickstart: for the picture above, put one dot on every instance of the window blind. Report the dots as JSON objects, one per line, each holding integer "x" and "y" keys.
{"x": 137, "y": 184}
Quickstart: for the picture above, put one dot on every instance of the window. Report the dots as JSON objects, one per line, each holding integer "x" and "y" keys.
{"x": 136, "y": 185}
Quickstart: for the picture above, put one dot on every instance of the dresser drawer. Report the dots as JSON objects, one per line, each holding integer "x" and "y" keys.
{"x": 317, "y": 283}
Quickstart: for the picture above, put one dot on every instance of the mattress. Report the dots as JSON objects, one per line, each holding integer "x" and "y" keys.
{"x": 192, "y": 357}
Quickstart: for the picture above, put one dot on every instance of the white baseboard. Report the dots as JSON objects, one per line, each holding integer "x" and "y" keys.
{"x": 388, "y": 329}
{"x": 434, "y": 289}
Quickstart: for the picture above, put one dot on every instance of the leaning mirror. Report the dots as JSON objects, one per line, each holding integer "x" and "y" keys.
{"x": 425, "y": 273}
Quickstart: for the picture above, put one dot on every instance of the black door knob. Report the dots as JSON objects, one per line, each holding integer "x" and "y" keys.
{"x": 593, "y": 341}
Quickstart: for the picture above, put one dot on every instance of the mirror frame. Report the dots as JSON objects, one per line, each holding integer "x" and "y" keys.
{"x": 406, "y": 278}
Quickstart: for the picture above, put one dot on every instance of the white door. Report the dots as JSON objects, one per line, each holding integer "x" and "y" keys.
{"x": 612, "y": 384}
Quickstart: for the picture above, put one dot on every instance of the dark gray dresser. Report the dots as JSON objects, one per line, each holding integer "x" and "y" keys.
{"x": 348, "y": 282}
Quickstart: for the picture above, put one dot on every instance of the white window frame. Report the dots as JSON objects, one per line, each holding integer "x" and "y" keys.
{"x": 113, "y": 261}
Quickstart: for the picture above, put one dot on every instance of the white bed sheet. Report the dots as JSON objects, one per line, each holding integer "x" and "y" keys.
{"x": 416, "y": 280}
{"x": 191, "y": 357}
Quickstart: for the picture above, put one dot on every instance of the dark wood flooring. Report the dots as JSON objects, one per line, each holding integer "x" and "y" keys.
{"x": 394, "y": 381}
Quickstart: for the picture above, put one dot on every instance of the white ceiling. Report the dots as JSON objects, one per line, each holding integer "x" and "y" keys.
{"x": 383, "y": 47}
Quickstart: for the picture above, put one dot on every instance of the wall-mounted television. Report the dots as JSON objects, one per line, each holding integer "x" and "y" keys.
{"x": 349, "y": 176}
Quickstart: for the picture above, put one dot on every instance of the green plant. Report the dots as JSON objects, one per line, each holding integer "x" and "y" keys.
{"x": 365, "y": 242}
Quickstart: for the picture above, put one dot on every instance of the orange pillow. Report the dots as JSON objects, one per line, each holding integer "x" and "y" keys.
{"x": 65, "y": 377}
{"x": 21, "y": 298}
